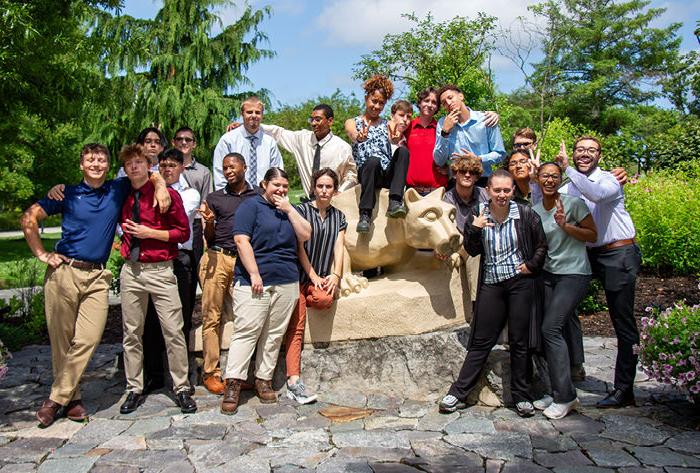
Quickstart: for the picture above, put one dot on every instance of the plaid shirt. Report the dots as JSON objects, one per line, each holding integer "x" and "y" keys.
{"x": 501, "y": 253}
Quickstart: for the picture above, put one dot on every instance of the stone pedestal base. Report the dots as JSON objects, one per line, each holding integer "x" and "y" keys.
{"x": 427, "y": 297}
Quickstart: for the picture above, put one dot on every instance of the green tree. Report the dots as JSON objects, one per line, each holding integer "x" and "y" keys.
{"x": 682, "y": 85}
{"x": 47, "y": 70}
{"x": 436, "y": 53}
{"x": 602, "y": 54}
{"x": 173, "y": 70}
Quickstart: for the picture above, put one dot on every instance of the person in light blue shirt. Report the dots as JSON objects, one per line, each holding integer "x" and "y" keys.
{"x": 464, "y": 130}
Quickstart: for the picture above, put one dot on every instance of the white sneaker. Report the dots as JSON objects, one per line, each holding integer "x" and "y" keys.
{"x": 544, "y": 403}
{"x": 560, "y": 410}
{"x": 300, "y": 393}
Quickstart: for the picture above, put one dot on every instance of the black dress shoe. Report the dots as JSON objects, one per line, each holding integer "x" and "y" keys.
{"x": 133, "y": 401}
{"x": 617, "y": 398}
{"x": 185, "y": 401}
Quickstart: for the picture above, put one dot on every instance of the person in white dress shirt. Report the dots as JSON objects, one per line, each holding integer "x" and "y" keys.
{"x": 615, "y": 256}
{"x": 259, "y": 150}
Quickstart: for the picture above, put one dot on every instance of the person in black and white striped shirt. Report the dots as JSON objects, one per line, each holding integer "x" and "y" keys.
{"x": 321, "y": 259}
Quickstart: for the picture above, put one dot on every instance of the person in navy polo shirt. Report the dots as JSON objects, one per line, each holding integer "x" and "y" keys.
{"x": 77, "y": 282}
{"x": 266, "y": 289}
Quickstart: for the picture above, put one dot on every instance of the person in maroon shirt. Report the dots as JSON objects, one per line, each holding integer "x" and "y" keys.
{"x": 149, "y": 244}
{"x": 423, "y": 174}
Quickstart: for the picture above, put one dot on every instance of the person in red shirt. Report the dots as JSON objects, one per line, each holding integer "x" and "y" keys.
{"x": 149, "y": 244}
{"x": 423, "y": 174}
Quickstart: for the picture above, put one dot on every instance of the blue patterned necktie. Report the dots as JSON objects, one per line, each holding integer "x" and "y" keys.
{"x": 253, "y": 159}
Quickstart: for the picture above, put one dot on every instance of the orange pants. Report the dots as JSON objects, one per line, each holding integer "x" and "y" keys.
{"x": 294, "y": 338}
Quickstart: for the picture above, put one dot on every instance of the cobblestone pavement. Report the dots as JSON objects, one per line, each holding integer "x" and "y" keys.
{"x": 390, "y": 433}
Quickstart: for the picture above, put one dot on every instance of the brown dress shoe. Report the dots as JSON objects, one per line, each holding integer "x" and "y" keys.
{"x": 214, "y": 385}
{"x": 263, "y": 388}
{"x": 232, "y": 395}
{"x": 47, "y": 412}
{"x": 75, "y": 410}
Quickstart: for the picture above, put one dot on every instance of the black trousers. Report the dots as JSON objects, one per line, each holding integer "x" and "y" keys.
{"x": 507, "y": 301}
{"x": 617, "y": 270}
{"x": 373, "y": 177}
{"x": 153, "y": 342}
{"x": 197, "y": 250}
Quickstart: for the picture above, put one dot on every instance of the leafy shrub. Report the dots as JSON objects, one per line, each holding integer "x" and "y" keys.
{"x": 22, "y": 321}
{"x": 669, "y": 349}
{"x": 665, "y": 206}
{"x": 593, "y": 302}
{"x": 114, "y": 264}
{"x": 4, "y": 356}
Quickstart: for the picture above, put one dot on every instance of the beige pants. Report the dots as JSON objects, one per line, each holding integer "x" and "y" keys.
{"x": 216, "y": 277}
{"x": 138, "y": 281}
{"x": 76, "y": 303}
{"x": 261, "y": 321}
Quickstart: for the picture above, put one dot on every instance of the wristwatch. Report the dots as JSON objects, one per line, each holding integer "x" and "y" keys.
{"x": 444, "y": 134}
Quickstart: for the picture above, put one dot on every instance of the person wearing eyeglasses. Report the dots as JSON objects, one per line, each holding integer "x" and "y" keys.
{"x": 615, "y": 256}
{"x": 518, "y": 164}
{"x": 568, "y": 225}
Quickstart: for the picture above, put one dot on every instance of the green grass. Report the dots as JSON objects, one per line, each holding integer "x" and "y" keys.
{"x": 18, "y": 266}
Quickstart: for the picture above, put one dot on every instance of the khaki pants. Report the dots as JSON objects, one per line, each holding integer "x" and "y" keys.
{"x": 261, "y": 321}
{"x": 216, "y": 277}
{"x": 76, "y": 303}
{"x": 138, "y": 281}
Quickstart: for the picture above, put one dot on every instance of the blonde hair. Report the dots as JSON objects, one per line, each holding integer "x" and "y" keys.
{"x": 252, "y": 100}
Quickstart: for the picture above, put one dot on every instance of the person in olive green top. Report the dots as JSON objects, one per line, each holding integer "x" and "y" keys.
{"x": 568, "y": 225}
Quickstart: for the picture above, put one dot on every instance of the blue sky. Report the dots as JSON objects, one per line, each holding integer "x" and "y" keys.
{"x": 317, "y": 42}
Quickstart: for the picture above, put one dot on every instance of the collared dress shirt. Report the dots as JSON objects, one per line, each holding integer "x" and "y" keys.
{"x": 237, "y": 141}
{"x": 605, "y": 198}
{"x": 473, "y": 135}
{"x": 190, "y": 202}
{"x": 198, "y": 177}
{"x": 174, "y": 221}
{"x": 335, "y": 154}
{"x": 501, "y": 253}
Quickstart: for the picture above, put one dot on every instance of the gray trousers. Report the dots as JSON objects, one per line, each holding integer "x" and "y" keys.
{"x": 562, "y": 293}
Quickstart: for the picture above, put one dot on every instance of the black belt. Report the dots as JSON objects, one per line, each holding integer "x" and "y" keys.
{"x": 218, "y": 249}
{"x": 85, "y": 265}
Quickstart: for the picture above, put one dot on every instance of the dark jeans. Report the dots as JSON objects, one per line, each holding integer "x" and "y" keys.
{"x": 508, "y": 301}
{"x": 573, "y": 335}
{"x": 197, "y": 251}
{"x": 372, "y": 177}
{"x": 153, "y": 342}
{"x": 562, "y": 293}
{"x": 617, "y": 270}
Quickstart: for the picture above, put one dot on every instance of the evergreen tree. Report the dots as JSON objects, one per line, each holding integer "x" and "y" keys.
{"x": 175, "y": 70}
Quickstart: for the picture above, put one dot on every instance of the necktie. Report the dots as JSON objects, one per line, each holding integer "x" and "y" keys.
{"x": 317, "y": 159}
{"x": 136, "y": 217}
{"x": 253, "y": 160}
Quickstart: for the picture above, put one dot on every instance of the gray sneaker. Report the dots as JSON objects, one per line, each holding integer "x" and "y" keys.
{"x": 300, "y": 393}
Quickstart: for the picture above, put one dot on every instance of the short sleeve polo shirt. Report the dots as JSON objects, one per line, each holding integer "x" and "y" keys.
{"x": 90, "y": 217}
{"x": 273, "y": 240}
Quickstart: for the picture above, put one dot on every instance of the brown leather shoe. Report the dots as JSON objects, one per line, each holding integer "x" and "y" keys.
{"x": 263, "y": 388}
{"x": 214, "y": 385}
{"x": 47, "y": 412}
{"x": 75, "y": 411}
{"x": 232, "y": 395}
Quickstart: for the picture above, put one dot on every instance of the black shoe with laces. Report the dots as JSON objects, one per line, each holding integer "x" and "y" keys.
{"x": 133, "y": 401}
{"x": 617, "y": 398}
{"x": 185, "y": 402}
{"x": 396, "y": 209}
{"x": 364, "y": 223}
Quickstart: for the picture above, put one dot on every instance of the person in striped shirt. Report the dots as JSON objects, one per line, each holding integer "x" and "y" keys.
{"x": 321, "y": 259}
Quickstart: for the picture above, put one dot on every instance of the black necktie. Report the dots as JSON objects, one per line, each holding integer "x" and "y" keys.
{"x": 317, "y": 159}
{"x": 136, "y": 217}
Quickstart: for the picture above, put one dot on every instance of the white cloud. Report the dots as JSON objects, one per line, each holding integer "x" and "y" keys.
{"x": 365, "y": 22}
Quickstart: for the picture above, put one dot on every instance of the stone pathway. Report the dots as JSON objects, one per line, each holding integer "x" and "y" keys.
{"x": 398, "y": 433}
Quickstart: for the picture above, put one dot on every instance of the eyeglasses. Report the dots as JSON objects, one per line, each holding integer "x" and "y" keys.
{"x": 164, "y": 165}
{"x": 581, "y": 150}
{"x": 186, "y": 139}
{"x": 519, "y": 162}
{"x": 523, "y": 144}
{"x": 315, "y": 120}
{"x": 554, "y": 177}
